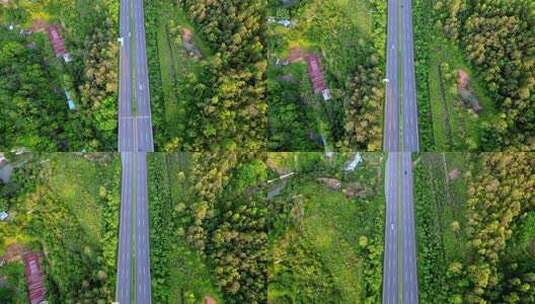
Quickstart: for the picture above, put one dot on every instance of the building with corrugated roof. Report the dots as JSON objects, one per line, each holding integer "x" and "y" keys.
{"x": 57, "y": 43}
{"x": 316, "y": 76}
{"x": 35, "y": 278}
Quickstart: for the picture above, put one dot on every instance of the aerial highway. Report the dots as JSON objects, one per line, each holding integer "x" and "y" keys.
{"x": 391, "y": 125}
{"x": 135, "y": 140}
{"x": 400, "y": 280}
{"x": 144, "y": 120}
{"x": 124, "y": 255}
{"x": 142, "y": 278}
{"x": 410, "y": 278}
{"x": 410, "y": 110}
{"x": 391, "y": 264}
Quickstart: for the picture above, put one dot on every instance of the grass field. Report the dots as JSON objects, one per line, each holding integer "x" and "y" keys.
{"x": 180, "y": 274}
{"x": 66, "y": 206}
{"x": 439, "y": 203}
{"x": 319, "y": 259}
{"x": 77, "y": 183}
{"x": 455, "y": 127}
{"x": 448, "y": 125}
{"x": 13, "y": 289}
{"x": 176, "y": 65}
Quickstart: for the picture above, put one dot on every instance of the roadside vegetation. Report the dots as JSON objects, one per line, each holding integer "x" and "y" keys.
{"x": 327, "y": 226}
{"x": 221, "y": 230}
{"x": 475, "y": 75}
{"x": 208, "y": 228}
{"x": 36, "y": 84}
{"x": 347, "y": 37}
{"x": 474, "y": 217}
{"x": 64, "y": 207}
{"x": 207, "y": 66}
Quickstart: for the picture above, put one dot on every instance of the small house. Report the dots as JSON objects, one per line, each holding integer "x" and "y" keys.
{"x": 316, "y": 76}
{"x": 3, "y": 216}
{"x": 35, "y": 278}
{"x": 57, "y": 43}
{"x": 70, "y": 102}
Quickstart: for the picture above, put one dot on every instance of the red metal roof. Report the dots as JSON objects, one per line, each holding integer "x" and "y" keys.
{"x": 55, "y": 38}
{"x": 315, "y": 73}
{"x": 34, "y": 278}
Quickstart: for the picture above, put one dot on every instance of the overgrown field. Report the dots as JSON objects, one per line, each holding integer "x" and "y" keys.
{"x": 35, "y": 83}
{"x": 208, "y": 228}
{"x": 490, "y": 42}
{"x": 207, "y": 66}
{"x": 65, "y": 206}
{"x": 475, "y": 233}
{"x": 348, "y": 37}
{"x": 326, "y": 244}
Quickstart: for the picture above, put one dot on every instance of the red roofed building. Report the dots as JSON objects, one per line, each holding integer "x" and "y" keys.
{"x": 316, "y": 76}
{"x": 34, "y": 278}
{"x": 57, "y": 42}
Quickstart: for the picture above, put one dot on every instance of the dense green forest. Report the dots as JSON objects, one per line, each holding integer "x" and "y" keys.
{"x": 491, "y": 41}
{"x": 475, "y": 218}
{"x": 65, "y": 206}
{"x": 326, "y": 235}
{"x": 34, "y": 82}
{"x": 208, "y": 228}
{"x": 207, "y": 74}
{"x": 348, "y": 37}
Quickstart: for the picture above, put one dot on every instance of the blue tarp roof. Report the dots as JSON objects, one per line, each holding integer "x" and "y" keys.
{"x": 72, "y": 105}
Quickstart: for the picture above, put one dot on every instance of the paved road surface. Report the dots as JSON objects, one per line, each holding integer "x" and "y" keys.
{"x": 400, "y": 281}
{"x": 410, "y": 278}
{"x": 143, "y": 282}
{"x": 391, "y": 126}
{"x": 135, "y": 139}
{"x": 391, "y": 264}
{"x": 410, "y": 110}
{"x": 126, "y": 120}
{"x": 135, "y": 120}
{"x": 124, "y": 255}
{"x": 145, "y": 137}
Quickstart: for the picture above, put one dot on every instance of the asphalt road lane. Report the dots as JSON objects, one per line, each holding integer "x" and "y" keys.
{"x": 142, "y": 79}
{"x": 143, "y": 283}
{"x": 125, "y": 83}
{"x": 391, "y": 126}
{"x": 410, "y": 279}
{"x": 124, "y": 264}
{"x": 144, "y": 138}
{"x": 391, "y": 266}
{"x": 135, "y": 138}
{"x": 410, "y": 109}
{"x": 400, "y": 282}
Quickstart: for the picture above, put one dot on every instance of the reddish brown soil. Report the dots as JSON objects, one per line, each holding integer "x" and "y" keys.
{"x": 296, "y": 54}
{"x": 187, "y": 35}
{"x": 463, "y": 80}
{"x": 14, "y": 253}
